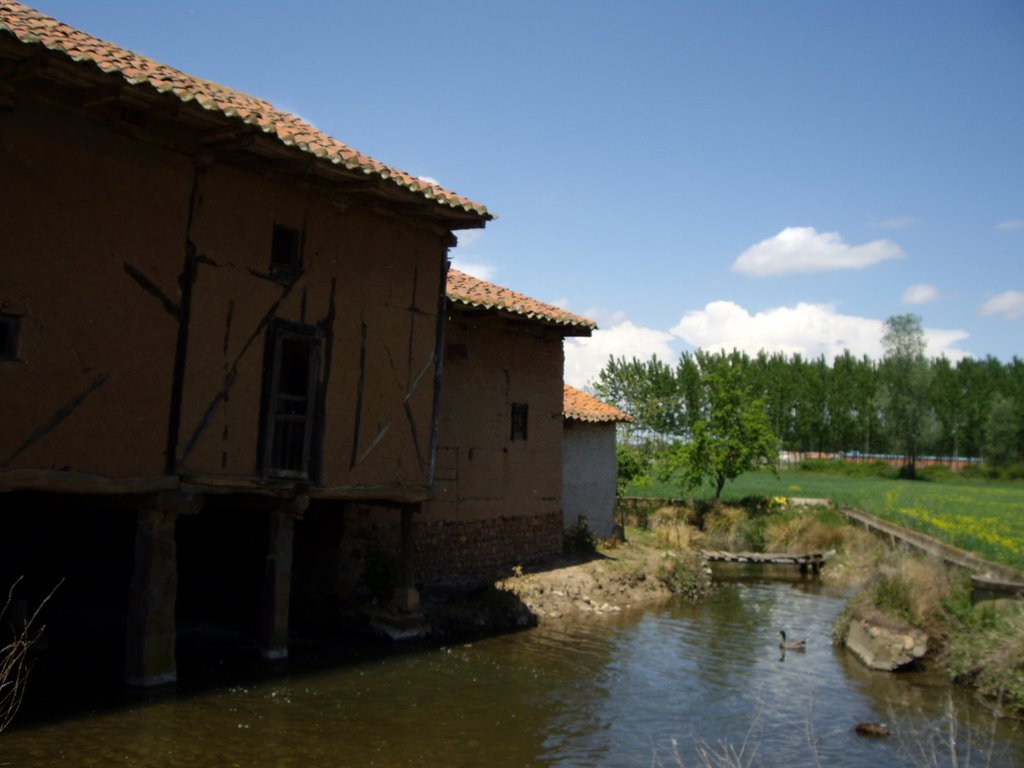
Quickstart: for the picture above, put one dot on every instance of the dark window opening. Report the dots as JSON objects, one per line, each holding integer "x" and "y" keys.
{"x": 520, "y": 418}
{"x": 8, "y": 337}
{"x": 286, "y": 251}
{"x": 291, "y": 370}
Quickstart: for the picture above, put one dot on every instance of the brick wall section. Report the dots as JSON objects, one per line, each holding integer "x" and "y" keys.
{"x": 445, "y": 549}
{"x": 474, "y": 547}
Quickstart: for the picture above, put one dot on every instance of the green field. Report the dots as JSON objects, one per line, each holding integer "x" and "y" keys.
{"x": 981, "y": 516}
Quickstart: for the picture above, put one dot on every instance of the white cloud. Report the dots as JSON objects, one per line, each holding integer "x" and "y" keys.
{"x": 1009, "y": 305}
{"x": 468, "y": 237}
{"x": 922, "y": 293}
{"x": 605, "y": 318}
{"x": 1011, "y": 224}
{"x": 804, "y": 249}
{"x": 898, "y": 222}
{"x": 466, "y": 258}
{"x": 429, "y": 180}
{"x": 809, "y": 329}
{"x": 585, "y": 357}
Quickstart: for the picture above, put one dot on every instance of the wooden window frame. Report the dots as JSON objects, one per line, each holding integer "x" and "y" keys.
{"x": 520, "y": 422}
{"x": 286, "y": 247}
{"x": 285, "y": 452}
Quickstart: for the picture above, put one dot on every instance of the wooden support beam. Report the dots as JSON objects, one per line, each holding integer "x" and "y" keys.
{"x": 66, "y": 481}
{"x": 150, "y": 631}
{"x": 277, "y": 578}
{"x": 406, "y": 598}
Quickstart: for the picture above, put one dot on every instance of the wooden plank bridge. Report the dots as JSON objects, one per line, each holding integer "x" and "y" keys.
{"x": 807, "y": 562}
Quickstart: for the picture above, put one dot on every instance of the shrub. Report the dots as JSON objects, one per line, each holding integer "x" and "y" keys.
{"x": 875, "y": 468}
{"x": 578, "y": 539}
{"x": 632, "y": 463}
{"x": 891, "y": 595}
{"x": 916, "y": 589}
{"x": 937, "y": 473}
{"x": 988, "y": 653}
{"x": 685, "y": 575}
{"x": 973, "y": 472}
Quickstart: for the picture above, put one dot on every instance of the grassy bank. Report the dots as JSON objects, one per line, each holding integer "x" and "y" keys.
{"x": 981, "y": 645}
{"x": 981, "y": 516}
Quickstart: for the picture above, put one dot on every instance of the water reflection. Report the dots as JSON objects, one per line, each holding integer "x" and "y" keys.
{"x": 630, "y": 690}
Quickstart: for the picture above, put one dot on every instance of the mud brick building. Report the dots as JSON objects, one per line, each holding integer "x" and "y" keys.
{"x": 588, "y": 461}
{"x": 498, "y": 492}
{"x": 215, "y": 320}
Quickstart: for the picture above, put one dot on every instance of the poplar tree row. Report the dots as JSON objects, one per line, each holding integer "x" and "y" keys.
{"x": 901, "y": 404}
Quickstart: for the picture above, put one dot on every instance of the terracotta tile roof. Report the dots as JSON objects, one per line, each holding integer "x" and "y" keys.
{"x": 474, "y": 292}
{"x": 578, "y": 405}
{"x": 33, "y": 28}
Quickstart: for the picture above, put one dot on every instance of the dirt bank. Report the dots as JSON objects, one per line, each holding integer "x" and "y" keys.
{"x": 563, "y": 589}
{"x": 612, "y": 580}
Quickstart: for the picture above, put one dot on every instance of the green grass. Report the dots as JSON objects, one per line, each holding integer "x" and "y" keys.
{"x": 982, "y": 516}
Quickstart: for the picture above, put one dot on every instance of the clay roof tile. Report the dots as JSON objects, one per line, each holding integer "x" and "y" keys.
{"x": 474, "y": 292}
{"x": 580, "y": 406}
{"x": 30, "y": 27}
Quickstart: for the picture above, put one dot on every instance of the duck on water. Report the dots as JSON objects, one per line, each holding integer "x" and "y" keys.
{"x": 791, "y": 645}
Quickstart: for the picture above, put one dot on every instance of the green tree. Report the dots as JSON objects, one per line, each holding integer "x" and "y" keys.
{"x": 848, "y": 407}
{"x": 731, "y": 436}
{"x": 905, "y": 377}
{"x": 1001, "y": 433}
{"x": 631, "y": 463}
{"x": 688, "y": 380}
{"x": 946, "y": 397}
{"x": 647, "y": 391}
{"x": 779, "y": 387}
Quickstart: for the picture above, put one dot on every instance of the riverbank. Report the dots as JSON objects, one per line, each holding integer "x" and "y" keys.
{"x": 980, "y": 645}
{"x": 616, "y": 576}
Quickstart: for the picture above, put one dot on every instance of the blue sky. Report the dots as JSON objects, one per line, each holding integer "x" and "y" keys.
{"x": 779, "y": 175}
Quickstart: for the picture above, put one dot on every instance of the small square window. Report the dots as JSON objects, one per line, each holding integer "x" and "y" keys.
{"x": 286, "y": 251}
{"x": 8, "y": 337}
{"x": 520, "y": 420}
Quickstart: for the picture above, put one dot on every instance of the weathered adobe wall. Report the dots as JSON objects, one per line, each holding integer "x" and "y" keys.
{"x": 92, "y": 259}
{"x": 369, "y": 283}
{"x": 88, "y": 217}
{"x": 588, "y": 484}
{"x": 481, "y": 472}
{"x": 498, "y": 501}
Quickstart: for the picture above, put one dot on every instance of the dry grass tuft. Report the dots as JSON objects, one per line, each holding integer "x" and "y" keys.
{"x": 858, "y": 559}
{"x": 672, "y": 513}
{"x": 805, "y": 533}
{"x": 726, "y": 527}
{"x": 929, "y": 586}
{"x": 679, "y": 536}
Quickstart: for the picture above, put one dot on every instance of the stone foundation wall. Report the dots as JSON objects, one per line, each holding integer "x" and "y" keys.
{"x": 359, "y": 554}
{"x": 474, "y": 547}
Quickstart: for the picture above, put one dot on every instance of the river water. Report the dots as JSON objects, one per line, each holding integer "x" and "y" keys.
{"x": 644, "y": 688}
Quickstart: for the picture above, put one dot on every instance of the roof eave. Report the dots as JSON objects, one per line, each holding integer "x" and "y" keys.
{"x": 33, "y": 57}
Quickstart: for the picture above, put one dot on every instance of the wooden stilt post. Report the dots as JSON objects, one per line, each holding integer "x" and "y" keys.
{"x": 277, "y": 579}
{"x": 150, "y": 630}
{"x": 406, "y": 597}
